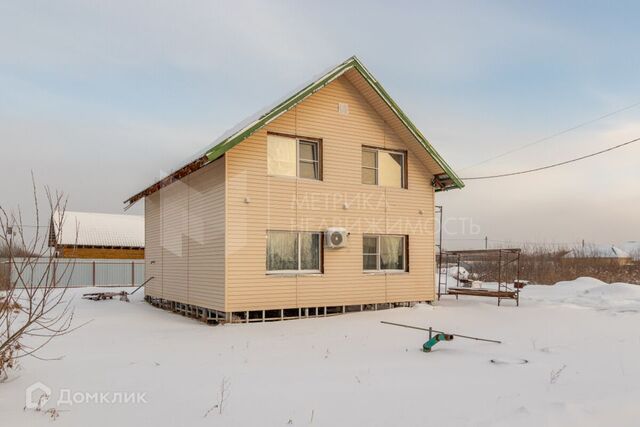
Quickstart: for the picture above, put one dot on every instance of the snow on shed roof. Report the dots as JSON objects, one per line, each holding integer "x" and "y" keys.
{"x": 598, "y": 251}
{"x": 99, "y": 229}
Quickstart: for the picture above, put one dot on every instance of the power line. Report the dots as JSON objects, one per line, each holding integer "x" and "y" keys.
{"x": 553, "y": 165}
{"x": 546, "y": 138}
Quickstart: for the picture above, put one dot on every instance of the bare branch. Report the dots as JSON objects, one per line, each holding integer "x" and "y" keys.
{"x": 32, "y": 303}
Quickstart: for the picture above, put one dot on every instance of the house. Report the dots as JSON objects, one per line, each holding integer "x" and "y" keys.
{"x": 97, "y": 235}
{"x": 321, "y": 202}
{"x": 598, "y": 254}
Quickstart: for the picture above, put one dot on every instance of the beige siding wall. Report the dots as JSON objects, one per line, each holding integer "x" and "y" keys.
{"x": 207, "y": 236}
{"x": 185, "y": 239}
{"x": 279, "y": 203}
{"x": 153, "y": 245}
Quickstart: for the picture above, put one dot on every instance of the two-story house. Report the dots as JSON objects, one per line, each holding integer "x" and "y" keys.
{"x": 239, "y": 232}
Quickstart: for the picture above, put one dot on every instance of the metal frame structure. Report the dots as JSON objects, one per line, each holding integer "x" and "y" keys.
{"x": 504, "y": 258}
{"x": 439, "y": 213}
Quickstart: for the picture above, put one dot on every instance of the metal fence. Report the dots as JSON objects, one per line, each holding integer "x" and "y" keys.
{"x": 76, "y": 272}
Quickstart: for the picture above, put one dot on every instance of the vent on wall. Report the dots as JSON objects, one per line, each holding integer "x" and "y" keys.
{"x": 343, "y": 108}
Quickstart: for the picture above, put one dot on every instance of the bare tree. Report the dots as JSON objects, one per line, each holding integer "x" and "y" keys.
{"x": 33, "y": 307}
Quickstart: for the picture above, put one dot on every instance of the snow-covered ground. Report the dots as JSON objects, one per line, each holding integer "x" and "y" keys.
{"x": 581, "y": 340}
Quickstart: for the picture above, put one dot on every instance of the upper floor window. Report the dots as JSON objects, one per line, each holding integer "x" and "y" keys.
{"x": 289, "y": 156}
{"x": 383, "y": 167}
{"x": 294, "y": 252}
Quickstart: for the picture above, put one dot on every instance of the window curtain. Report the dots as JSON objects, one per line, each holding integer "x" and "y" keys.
{"x": 281, "y": 155}
{"x": 390, "y": 167}
{"x": 310, "y": 251}
{"x": 282, "y": 251}
{"x": 391, "y": 253}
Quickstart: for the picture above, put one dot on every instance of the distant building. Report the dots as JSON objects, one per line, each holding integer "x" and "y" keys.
{"x": 632, "y": 247}
{"x": 97, "y": 235}
{"x": 599, "y": 254}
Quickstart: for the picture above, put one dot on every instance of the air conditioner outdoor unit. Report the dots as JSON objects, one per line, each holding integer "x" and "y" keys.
{"x": 335, "y": 237}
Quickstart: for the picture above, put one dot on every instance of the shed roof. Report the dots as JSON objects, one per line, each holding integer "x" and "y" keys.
{"x": 98, "y": 229}
{"x": 445, "y": 177}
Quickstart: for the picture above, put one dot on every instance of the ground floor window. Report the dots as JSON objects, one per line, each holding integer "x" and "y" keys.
{"x": 294, "y": 252}
{"x": 384, "y": 253}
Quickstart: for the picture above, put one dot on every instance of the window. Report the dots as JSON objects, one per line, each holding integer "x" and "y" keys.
{"x": 288, "y": 156}
{"x": 294, "y": 252}
{"x": 384, "y": 253}
{"x": 383, "y": 167}
{"x": 308, "y": 164}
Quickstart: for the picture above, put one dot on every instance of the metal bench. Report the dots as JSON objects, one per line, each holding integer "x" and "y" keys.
{"x": 476, "y": 292}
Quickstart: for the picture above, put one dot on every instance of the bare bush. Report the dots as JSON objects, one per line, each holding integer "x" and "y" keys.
{"x": 222, "y": 396}
{"x": 547, "y": 265}
{"x": 5, "y": 266}
{"x": 5, "y": 273}
{"x": 33, "y": 310}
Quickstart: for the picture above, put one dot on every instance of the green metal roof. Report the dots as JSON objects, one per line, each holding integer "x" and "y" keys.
{"x": 234, "y": 139}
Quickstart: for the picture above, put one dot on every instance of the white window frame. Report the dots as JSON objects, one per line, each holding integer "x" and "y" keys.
{"x": 299, "y": 236}
{"x": 298, "y": 140}
{"x": 403, "y": 183}
{"x": 379, "y": 254}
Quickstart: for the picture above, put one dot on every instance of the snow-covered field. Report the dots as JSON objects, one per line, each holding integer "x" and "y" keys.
{"x": 581, "y": 340}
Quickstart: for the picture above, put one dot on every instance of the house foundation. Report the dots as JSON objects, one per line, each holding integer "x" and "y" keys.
{"x": 212, "y": 316}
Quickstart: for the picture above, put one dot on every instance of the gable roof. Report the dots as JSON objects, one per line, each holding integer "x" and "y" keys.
{"x": 98, "y": 229}
{"x": 444, "y": 179}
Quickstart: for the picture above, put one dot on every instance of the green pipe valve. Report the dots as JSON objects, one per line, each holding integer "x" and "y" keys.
{"x": 426, "y": 347}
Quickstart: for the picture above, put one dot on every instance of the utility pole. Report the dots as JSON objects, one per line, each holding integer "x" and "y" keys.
{"x": 486, "y": 242}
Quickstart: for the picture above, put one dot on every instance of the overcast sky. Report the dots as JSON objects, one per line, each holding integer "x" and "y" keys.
{"x": 97, "y": 98}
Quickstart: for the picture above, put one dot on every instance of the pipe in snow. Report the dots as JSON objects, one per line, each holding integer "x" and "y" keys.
{"x": 427, "y": 346}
